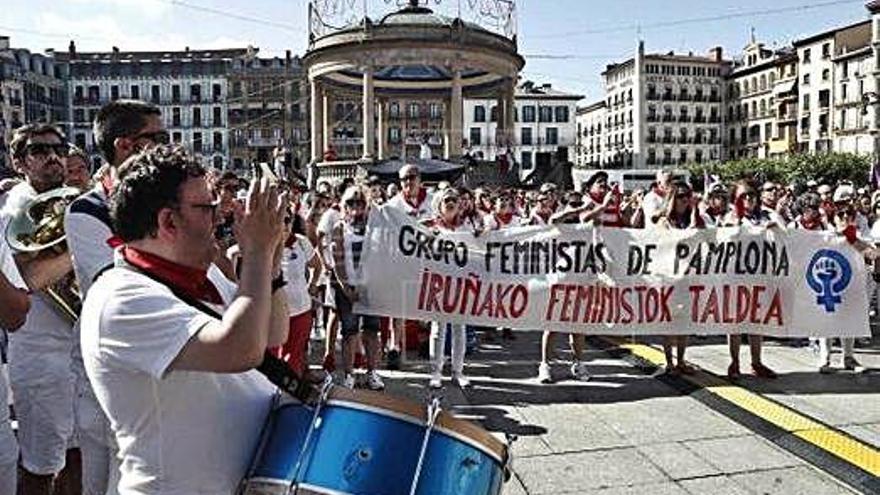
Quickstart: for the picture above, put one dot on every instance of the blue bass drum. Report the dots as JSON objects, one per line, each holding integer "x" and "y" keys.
{"x": 368, "y": 443}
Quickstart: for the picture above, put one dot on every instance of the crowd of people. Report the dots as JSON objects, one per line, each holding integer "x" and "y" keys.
{"x": 189, "y": 275}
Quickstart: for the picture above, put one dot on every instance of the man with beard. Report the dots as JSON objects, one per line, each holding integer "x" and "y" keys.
{"x": 40, "y": 351}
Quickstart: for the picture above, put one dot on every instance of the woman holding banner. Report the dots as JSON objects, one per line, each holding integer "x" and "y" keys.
{"x": 681, "y": 213}
{"x": 747, "y": 210}
{"x": 447, "y": 218}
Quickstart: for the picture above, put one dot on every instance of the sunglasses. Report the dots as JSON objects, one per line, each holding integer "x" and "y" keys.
{"x": 770, "y": 189}
{"x": 44, "y": 149}
{"x": 575, "y": 204}
{"x": 157, "y": 137}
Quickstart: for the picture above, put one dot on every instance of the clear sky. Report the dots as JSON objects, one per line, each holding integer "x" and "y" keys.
{"x": 566, "y": 42}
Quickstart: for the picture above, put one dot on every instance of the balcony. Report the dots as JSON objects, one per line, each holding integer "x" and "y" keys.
{"x": 714, "y": 99}
{"x": 668, "y": 140}
{"x": 668, "y": 97}
{"x": 652, "y": 139}
{"x": 684, "y": 118}
{"x": 699, "y": 97}
{"x": 684, "y": 97}
{"x": 699, "y": 119}
{"x": 668, "y": 118}
{"x": 653, "y": 97}
{"x": 714, "y": 119}
{"x": 652, "y": 118}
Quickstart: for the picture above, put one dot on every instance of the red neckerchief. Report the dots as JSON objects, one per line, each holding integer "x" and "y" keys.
{"x": 420, "y": 197}
{"x": 191, "y": 281}
{"x": 814, "y": 225}
{"x": 612, "y": 209}
{"x": 503, "y": 220}
{"x": 440, "y": 222}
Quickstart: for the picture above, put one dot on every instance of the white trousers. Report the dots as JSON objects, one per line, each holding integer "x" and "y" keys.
{"x": 93, "y": 433}
{"x": 437, "y": 346}
{"x": 848, "y": 344}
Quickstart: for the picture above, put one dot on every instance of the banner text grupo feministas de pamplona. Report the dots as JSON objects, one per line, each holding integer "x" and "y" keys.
{"x": 605, "y": 281}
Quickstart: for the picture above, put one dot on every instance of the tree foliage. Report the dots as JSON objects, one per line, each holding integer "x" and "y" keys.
{"x": 828, "y": 168}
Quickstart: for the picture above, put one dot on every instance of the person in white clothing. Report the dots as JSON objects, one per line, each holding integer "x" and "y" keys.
{"x": 40, "y": 351}
{"x": 169, "y": 349}
{"x": 121, "y": 128}
{"x": 447, "y": 219}
{"x": 415, "y": 201}
{"x": 654, "y": 203}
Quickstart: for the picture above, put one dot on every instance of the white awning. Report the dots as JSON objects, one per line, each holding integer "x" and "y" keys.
{"x": 784, "y": 87}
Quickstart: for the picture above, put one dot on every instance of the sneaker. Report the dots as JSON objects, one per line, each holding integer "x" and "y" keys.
{"x": 762, "y": 371}
{"x": 349, "y": 381}
{"x": 826, "y": 369}
{"x": 579, "y": 371}
{"x": 544, "y": 375}
{"x": 461, "y": 380}
{"x": 374, "y": 381}
{"x": 436, "y": 382}
{"x": 850, "y": 363}
{"x": 393, "y": 360}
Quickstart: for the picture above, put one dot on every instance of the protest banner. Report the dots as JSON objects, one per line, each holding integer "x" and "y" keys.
{"x": 605, "y": 281}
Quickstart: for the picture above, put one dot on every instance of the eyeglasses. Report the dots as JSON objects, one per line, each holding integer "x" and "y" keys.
{"x": 43, "y": 149}
{"x": 157, "y": 137}
{"x": 211, "y": 207}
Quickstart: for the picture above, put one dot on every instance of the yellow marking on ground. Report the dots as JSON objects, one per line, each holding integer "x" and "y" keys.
{"x": 855, "y": 452}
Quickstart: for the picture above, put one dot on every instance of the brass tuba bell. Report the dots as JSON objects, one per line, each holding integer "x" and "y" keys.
{"x": 39, "y": 226}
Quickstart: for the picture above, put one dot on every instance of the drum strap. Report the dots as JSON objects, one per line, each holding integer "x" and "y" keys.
{"x": 433, "y": 412}
{"x": 273, "y": 368}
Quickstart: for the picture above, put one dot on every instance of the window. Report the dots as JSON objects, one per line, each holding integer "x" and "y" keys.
{"x": 434, "y": 111}
{"x": 114, "y": 92}
{"x": 545, "y": 114}
{"x": 394, "y": 134}
{"x": 493, "y": 115}
{"x": 806, "y": 57}
{"x": 826, "y": 51}
{"x": 80, "y": 140}
{"x": 236, "y": 89}
{"x": 552, "y": 136}
{"x": 135, "y": 92}
{"x": 806, "y": 79}
{"x": 479, "y": 113}
{"x": 197, "y": 142}
{"x": 197, "y": 117}
{"x": 195, "y": 92}
{"x": 218, "y": 141}
{"x": 79, "y": 115}
{"x": 175, "y": 93}
{"x": 806, "y": 103}
{"x": 413, "y": 110}
{"x": 528, "y": 113}
{"x": 218, "y": 117}
{"x": 843, "y": 91}
{"x": 216, "y": 92}
{"x": 175, "y": 117}
{"x": 526, "y": 136}
{"x": 683, "y": 156}
{"x": 176, "y": 137}
{"x": 526, "y": 160}
{"x": 475, "y": 137}
{"x": 826, "y": 75}
{"x": 394, "y": 111}
{"x": 561, "y": 114}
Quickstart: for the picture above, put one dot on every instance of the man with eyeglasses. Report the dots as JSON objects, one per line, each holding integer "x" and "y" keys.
{"x": 415, "y": 201}
{"x": 40, "y": 351}
{"x": 121, "y": 129}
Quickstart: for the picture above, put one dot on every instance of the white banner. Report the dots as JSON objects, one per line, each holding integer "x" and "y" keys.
{"x": 574, "y": 278}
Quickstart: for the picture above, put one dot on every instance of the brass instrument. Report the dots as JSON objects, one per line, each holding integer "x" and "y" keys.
{"x": 39, "y": 226}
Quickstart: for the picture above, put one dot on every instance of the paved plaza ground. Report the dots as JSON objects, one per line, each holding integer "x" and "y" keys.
{"x": 631, "y": 430}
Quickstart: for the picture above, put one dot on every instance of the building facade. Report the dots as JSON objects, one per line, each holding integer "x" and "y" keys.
{"x": 190, "y": 87}
{"x": 545, "y": 130}
{"x": 267, "y": 111}
{"x": 816, "y": 82}
{"x": 664, "y": 109}
{"x": 751, "y": 102}
{"x": 590, "y": 120}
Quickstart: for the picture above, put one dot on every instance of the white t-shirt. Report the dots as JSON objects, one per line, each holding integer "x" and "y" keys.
{"x": 421, "y": 211}
{"x": 294, "y": 264}
{"x": 179, "y": 432}
{"x": 652, "y": 204}
{"x": 490, "y": 222}
{"x": 39, "y": 351}
{"x": 325, "y": 227}
{"x": 87, "y": 238}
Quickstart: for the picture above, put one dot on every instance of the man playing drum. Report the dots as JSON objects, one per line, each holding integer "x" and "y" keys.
{"x": 175, "y": 378}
